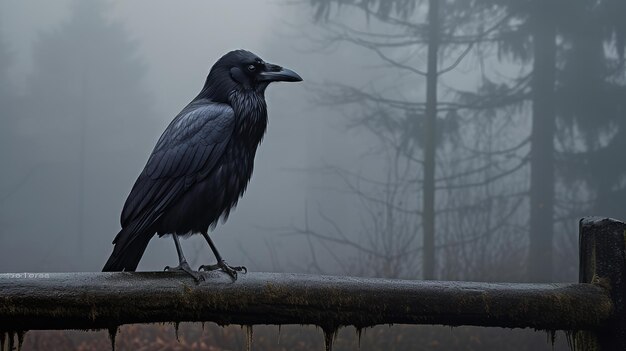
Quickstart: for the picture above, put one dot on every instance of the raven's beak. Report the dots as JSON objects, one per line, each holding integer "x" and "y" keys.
{"x": 275, "y": 73}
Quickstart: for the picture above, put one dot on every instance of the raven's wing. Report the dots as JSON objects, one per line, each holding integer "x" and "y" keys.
{"x": 188, "y": 149}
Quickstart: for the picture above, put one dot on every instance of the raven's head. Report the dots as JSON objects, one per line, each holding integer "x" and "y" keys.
{"x": 243, "y": 70}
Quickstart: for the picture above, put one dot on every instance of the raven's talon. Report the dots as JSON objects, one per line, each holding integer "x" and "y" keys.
{"x": 222, "y": 265}
{"x": 184, "y": 267}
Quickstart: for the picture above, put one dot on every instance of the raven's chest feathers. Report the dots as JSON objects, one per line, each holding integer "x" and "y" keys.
{"x": 235, "y": 170}
{"x": 250, "y": 125}
{"x": 251, "y": 117}
{"x": 219, "y": 190}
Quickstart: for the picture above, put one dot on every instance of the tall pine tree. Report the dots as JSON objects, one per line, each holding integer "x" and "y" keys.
{"x": 592, "y": 104}
{"x": 573, "y": 52}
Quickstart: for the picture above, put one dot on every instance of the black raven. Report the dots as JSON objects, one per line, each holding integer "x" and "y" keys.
{"x": 202, "y": 163}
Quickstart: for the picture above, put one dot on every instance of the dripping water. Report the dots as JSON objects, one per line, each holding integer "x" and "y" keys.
{"x": 249, "y": 332}
{"x": 568, "y": 338}
{"x": 551, "y": 337}
{"x": 278, "y": 343}
{"x": 20, "y": 339}
{"x": 330, "y": 335}
{"x": 176, "y": 327}
{"x": 112, "y": 336}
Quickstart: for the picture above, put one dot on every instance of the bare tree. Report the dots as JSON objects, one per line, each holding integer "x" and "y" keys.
{"x": 407, "y": 126}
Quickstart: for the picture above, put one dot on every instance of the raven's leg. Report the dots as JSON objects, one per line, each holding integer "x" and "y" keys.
{"x": 182, "y": 262}
{"x": 221, "y": 264}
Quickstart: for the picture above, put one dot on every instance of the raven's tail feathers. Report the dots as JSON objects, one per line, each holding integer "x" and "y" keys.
{"x": 129, "y": 247}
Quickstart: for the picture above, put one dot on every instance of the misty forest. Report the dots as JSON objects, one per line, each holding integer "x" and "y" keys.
{"x": 457, "y": 140}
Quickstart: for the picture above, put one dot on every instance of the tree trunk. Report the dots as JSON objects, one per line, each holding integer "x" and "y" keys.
{"x": 542, "y": 147}
{"x": 430, "y": 128}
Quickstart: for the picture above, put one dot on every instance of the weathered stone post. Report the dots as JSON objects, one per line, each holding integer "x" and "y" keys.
{"x": 603, "y": 262}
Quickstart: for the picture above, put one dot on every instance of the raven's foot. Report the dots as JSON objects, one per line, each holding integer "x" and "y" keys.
{"x": 232, "y": 271}
{"x": 184, "y": 267}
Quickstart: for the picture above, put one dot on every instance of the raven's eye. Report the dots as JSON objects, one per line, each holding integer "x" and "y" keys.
{"x": 251, "y": 68}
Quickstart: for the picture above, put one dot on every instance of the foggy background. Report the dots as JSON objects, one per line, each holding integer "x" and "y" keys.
{"x": 528, "y": 136}
{"x": 95, "y": 86}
